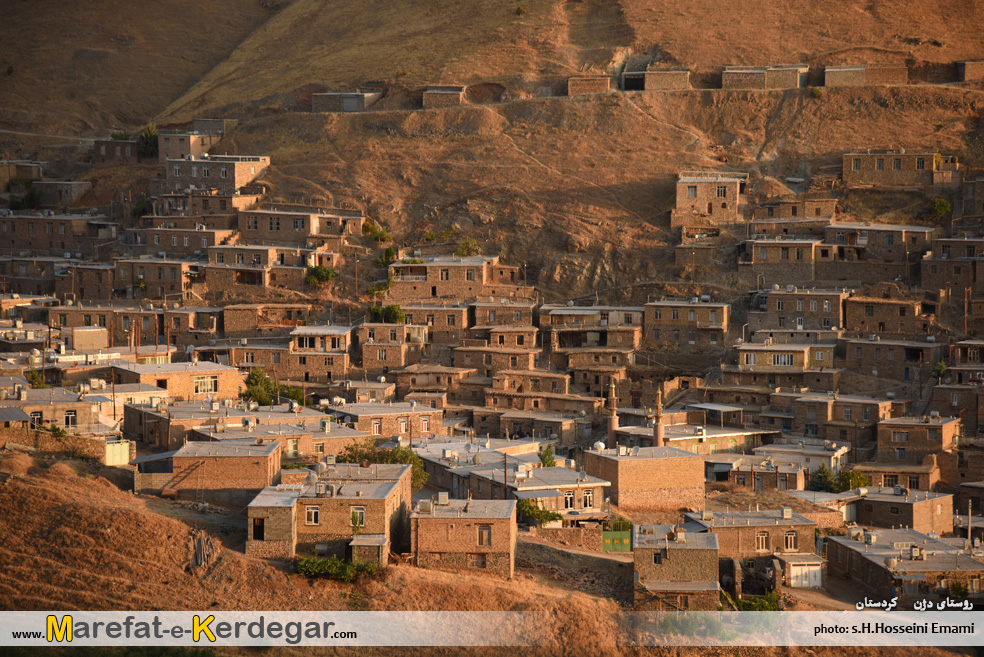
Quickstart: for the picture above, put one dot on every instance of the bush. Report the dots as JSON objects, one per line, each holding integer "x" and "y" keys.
{"x": 468, "y": 247}
{"x": 29, "y": 201}
{"x": 520, "y": 10}
{"x": 535, "y": 513}
{"x": 147, "y": 141}
{"x": 376, "y": 232}
{"x": 817, "y": 92}
{"x": 770, "y": 602}
{"x": 36, "y": 379}
{"x": 366, "y": 450}
{"x": 319, "y": 274}
{"x": 851, "y": 480}
{"x": 140, "y": 208}
{"x": 385, "y": 260}
{"x": 334, "y": 568}
{"x": 430, "y": 236}
{"x": 57, "y": 431}
{"x": 385, "y": 315}
{"x": 123, "y": 135}
{"x": 958, "y": 590}
{"x": 940, "y": 207}
{"x": 546, "y": 456}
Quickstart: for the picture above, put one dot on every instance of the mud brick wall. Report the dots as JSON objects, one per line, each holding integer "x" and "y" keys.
{"x": 660, "y": 80}
{"x": 586, "y": 538}
{"x": 593, "y": 85}
{"x": 643, "y": 483}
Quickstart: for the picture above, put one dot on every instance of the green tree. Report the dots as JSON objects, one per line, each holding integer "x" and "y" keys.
{"x": 535, "y": 513}
{"x": 385, "y": 260}
{"x": 467, "y": 247}
{"x": 147, "y": 141}
{"x": 391, "y": 314}
{"x": 30, "y": 200}
{"x": 140, "y": 208}
{"x": 319, "y": 274}
{"x": 851, "y": 480}
{"x": 546, "y": 456}
{"x": 939, "y": 371}
{"x": 366, "y": 450}
{"x": 36, "y": 379}
{"x": 123, "y": 135}
{"x": 822, "y": 479}
{"x": 356, "y": 523}
{"x": 940, "y": 207}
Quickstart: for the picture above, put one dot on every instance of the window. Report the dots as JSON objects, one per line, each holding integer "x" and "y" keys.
{"x": 377, "y": 427}
{"x": 145, "y": 323}
{"x": 691, "y": 191}
{"x": 889, "y": 240}
{"x": 485, "y": 535}
{"x": 900, "y": 453}
{"x": 848, "y": 412}
{"x": 71, "y": 419}
{"x": 880, "y": 164}
{"x": 36, "y": 420}
{"x": 933, "y": 434}
{"x": 476, "y": 561}
{"x": 312, "y": 515}
{"x": 722, "y": 191}
{"x": 298, "y": 224}
{"x": 274, "y": 223}
{"x": 403, "y": 424}
{"x": 784, "y": 253}
{"x": 676, "y": 314}
{"x": 856, "y": 164}
{"x": 588, "y": 501}
{"x": 568, "y": 499}
{"x": 206, "y": 384}
{"x": 358, "y": 515}
{"x": 791, "y": 542}
{"x": 780, "y": 304}
{"x": 469, "y": 274}
{"x": 253, "y": 223}
{"x": 920, "y": 164}
{"x": 657, "y": 558}
{"x": 445, "y": 274}
{"x": 890, "y": 481}
{"x": 894, "y": 510}
{"x": 900, "y": 436}
{"x": 913, "y": 482}
{"x": 762, "y": 541}
{"x": 782, "y": 360}
{"x": 821, "y": 355}
{"x": 897, "y": 164}
{"x": 425, "y": 423}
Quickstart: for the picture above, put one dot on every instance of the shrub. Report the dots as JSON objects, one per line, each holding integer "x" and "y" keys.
{"x": 413, "y": 261}
{"x": 769, "y": 602}
{"x": 29, "y": 201}
{"x": 533, "y": 512}
{"x": 468, "y": 247}
{"x": 366, "y": 450}
{"x": 320, "y": 274}
{"x": 385, "y": 260}
{"x": 546, "y": 456}
{"x": 817, "y": 92}
{"x": 123, "y": 135}
{"x": 940, "y": 207}
{"x": 140, "y": 208}
{"x": 958, "y": 590}
{"x": 851, "y": 480}
{"x": 57, "y": 431}
{"x": 430, "y": 236}
{"x": 385, "y": 315}
{"x": 376, "y": 232}
{"x": 520, "y": 10}
{"x": 334, "y": 568}
{"x": 147, "y": 141}
{"x": 36, "y": 379}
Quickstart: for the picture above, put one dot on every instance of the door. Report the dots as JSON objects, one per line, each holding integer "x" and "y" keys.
{"x": 350, "y": 104}
{"x": 258, "y": 529}
{"x": 758, "y": 482}
{"x": 799, "y": 323}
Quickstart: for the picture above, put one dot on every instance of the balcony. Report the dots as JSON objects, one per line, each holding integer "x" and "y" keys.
{"x": 409, "y": 279}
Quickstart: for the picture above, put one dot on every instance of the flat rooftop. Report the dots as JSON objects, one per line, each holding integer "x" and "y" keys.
{"x": 473, "y": 509}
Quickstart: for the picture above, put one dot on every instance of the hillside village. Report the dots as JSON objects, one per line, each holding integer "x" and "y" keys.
{"x": 417, "y": 398}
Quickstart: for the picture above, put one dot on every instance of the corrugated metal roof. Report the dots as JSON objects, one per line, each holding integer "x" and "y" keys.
{"x": 13, "y": 414}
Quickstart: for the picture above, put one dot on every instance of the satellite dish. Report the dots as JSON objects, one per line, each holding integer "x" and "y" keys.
{"x": 468, "y": 447}
{"x": 635, "y": 451}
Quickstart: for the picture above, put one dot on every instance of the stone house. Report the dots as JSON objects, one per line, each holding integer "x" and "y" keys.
{"x": 764, "y": 77}
{"x": 502, "y": 311}
{"x": 387, "y": 347}
{"x": 800, "y": 309}
{"x": 922, "y": 511}
{"x": 444, "y": 95}
{"x": 752, "y": 535}
{"x": 588, "y": 84}
{"x": 56, "y": 406}
{"x": 954, "y": 265}
{"x": 864, "y": 75}
{"x": 114, "y": 152}
{"x": 155, "y": 278}
{"x": 897, "y": 168}
{"x": 291, "y": 225}
{"x": 903, "y": 563}
{"x": 186, "y": 242}
{"x": 446, "y": 323}
{"x": 317, "y": 440}
{"x": 708, "y": 198}
{"x": 180, "y": 145}
{"x": 775, "y": 364}
{"x": 911, "y": 439}
{"x": 199, "y": 202}
{"x": 358, "y": 100}
{"x": 649, "y": 477}
{"x": 449, "y": 534}
{"x": 342, "y": 510}
{"x": 454, "y": 277}
{"x": 387, "y": 420}
{"x": 228, "y": 472}
{"x": 909, "y": 362}
{"x": 575, "y": 495}
{"x": 699, "y": 323}
{"x": 250, "y": 320}
{"x": 674, "y": 570}
{"x": 223, "y": 173}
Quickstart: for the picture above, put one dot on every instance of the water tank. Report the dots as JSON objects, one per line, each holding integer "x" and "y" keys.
{"x": 598, "y": 446}
{"x": 311, "y": 479}
{"x": 320, "y": 468}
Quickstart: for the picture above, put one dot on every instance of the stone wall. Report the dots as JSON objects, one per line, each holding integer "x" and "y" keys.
{"x": 588, "y": 85}
{"x": 585, "y": 538}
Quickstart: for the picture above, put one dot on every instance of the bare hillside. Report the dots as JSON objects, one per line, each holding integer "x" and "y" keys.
{"x": 579, "y": 188}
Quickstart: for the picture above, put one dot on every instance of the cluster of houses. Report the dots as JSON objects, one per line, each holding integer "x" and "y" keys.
{"x": 852, "y": 349}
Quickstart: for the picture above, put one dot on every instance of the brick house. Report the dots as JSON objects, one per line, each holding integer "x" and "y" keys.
{"x": 446, "y": 323}
{"x": 192, "y": 381}
{"x": 311, "y": 227}
{"x": 250, "y": 320}
{"x": 708, "y": 198}
{"x": 186, "y": 242}
{"x": 386, "y": 347}
{"x": 800, "y": 309}
{"x": 674, "y": 570}
{"x": 454, "y": 277}
{"x": 774, "y": 364}
{"x": 319, "y": 439}
{"x": 155, "y": 278}
{"x": 575, "y": 495}
{"x": 46, "y": 233}
{"x": 318, "y": 515}
{"x": 955, "y": 264}
{"x": 903, "y": 563}
{"x": 890, "y": 315}
{"x": 699, "y": 324}
{"x": 223, "y": 173}
{"x": 114, "y": 152}
{"x": 230, "y": 472}
{"x": 387, "y": 420}
{"x": 180, "y": 145}
{"x": 198, "y": 202}
{"x": 444, "y": 95}
{"x": 900, "y": 360}
{"x": 922, "y": 511}
{"x": 911, "y": 439}
{"x": 795, "y": 209}
{"x": 502, "y": 311}
{"x": 776, "y": 260}
{"x": 649, "y": 477}
{"x": 900, "y": 168}
{"x": 464, "y": 534}
{"x": 764, "y": 77}
{"x": 588, "y": 84}
{"x": 56, "y": 406}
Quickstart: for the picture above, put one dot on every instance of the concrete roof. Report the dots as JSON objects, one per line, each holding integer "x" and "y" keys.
{"x": 172, "y": 368}
{"x": 647, "y": 453}
{"x": 321, "y": 330}
{"x": 654, "y": 537}
{"x": 473, "y": 509}
{"x": 911, "y": 421}
{"x": 370, "y": 408}
{"x": 749, "y": 519}
{"x": 227, "y": 448}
